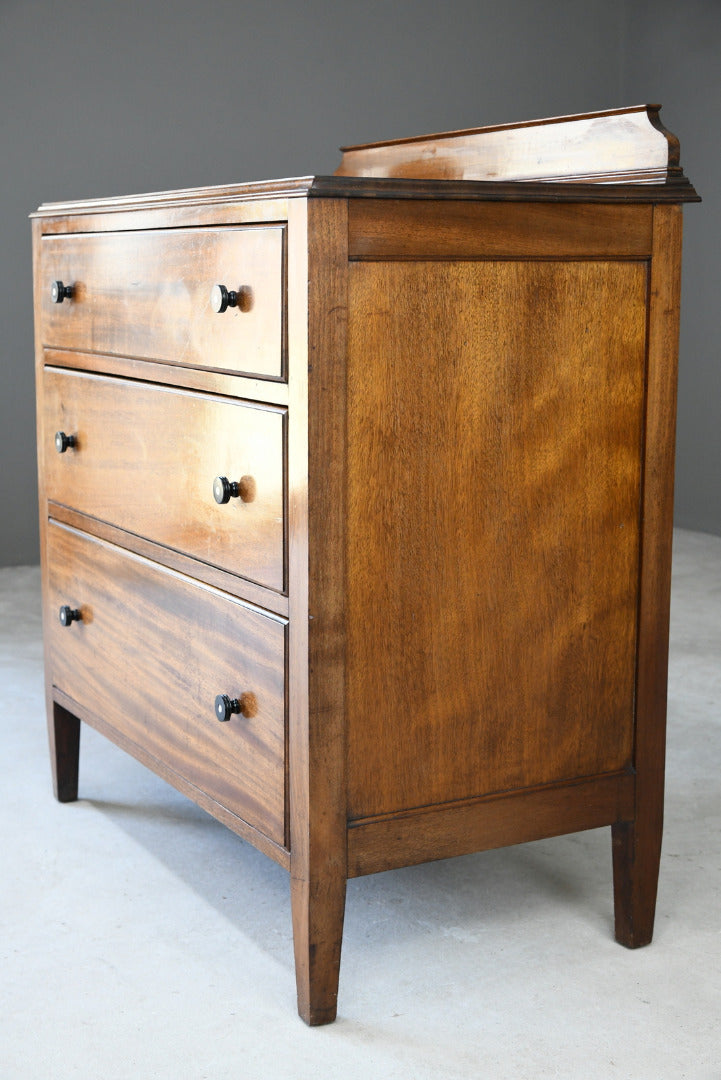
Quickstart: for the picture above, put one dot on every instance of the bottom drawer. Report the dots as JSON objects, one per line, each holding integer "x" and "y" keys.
{"x": 148, "y": 655}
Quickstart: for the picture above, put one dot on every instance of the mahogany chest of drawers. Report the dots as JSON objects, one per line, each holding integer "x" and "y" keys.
{"x": 355, "y": 497}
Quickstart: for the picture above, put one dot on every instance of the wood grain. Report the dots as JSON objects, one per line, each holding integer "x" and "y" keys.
{"x": 146, "y": 295}
{"x": 442, "y": 832}
{"x": 394, "y": 229}
{"x": 676, "y": 189}
{"x": 317, "y": 777}
{"x": 146, "y": 458}
{"x": 186, "y": 378}
{"x": 175, "y": 560}
{"x": 494, "y": 487}
{"x": 162, "y": 699}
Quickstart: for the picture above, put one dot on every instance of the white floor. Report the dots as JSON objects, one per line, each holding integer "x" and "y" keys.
{"x": 140, "y": 939}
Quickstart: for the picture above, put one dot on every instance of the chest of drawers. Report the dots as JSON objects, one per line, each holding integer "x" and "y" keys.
{"x": 355, "y": 498}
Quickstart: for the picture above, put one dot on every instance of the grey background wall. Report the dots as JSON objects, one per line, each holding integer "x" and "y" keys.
{"x": 103, "y": 98}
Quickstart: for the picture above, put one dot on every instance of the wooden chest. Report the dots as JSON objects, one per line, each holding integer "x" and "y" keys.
{"x": 356, "y": 505}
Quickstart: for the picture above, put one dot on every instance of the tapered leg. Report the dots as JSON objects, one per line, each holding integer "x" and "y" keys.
{"x": 636, "y": 858}
{"x": 318, "y": 911}
{"x": 64, "y": 738}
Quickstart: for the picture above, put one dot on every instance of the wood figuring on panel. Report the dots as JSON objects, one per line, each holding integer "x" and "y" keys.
{"x": 397, "y": 229}
{"x": 494, "y": 498}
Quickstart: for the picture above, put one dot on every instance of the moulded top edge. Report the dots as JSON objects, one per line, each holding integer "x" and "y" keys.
{"x": 222, "y": 193}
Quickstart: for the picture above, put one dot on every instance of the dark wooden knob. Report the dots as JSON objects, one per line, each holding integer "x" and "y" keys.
{"x": 246, "y": 705}
{"x": 221, "y": 298}
{"x": 63, "y": 441}
{"x": 60, "y": 292}
{"x": 226, "y": 706}
{"x": 224, "y": 489}
{"x": 69, "y": 615}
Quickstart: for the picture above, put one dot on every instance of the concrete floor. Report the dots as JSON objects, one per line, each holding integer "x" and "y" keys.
{"x": 140, "y": 939}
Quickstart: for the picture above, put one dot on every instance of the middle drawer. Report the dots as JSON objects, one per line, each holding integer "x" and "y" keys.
{"x": 149, "y": 459}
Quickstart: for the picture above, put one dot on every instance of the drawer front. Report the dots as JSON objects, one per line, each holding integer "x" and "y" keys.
{"x": 148, "y": 295}
{"x": 149, "y": 655}
{"x": 145, "y": 459}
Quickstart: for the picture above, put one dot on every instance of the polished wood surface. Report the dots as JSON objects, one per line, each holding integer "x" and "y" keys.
{"x": 212, "y": 382}
{"x": 185, "y": 564}
{"x": 449, "y": 594}
{"x": 517, "y": 817}
{"x": 398, "y": 229}
{"x": 674, "y": 190}
{"x": 147, "y": 295}
{"x": 146, "y": 458}
{"x": 64, "y": 728}
{"x": 637, "y": 843}
{"x": 163, "y": 698}
{"x": 626, "y": 145}
{"x": 258, "y": 204}
{"x": 493, "y": 509}
{"x": 317, "y": 720}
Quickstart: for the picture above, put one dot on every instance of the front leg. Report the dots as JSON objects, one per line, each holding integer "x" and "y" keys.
{"x": 64, "y": 739}
{"x": 636, "y": 859}
{"x": 318, "y": 910}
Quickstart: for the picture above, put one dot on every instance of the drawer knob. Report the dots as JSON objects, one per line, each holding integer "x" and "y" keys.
{"x": 69, "y": 615}
{"x": 63, "y": 441}
{"x": 225, "y": 707}
{"x": 224, "y": 489}
{"x": 221, "y": 298}
{"x": 60, "y": 292}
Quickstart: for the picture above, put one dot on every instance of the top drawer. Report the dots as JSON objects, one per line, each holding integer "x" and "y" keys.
{"x": 148, "y": 295}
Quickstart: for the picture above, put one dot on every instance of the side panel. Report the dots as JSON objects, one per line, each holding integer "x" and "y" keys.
{"x": 495, "y": 428}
